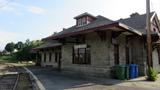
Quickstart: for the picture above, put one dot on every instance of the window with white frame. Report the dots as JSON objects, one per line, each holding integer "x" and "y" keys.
{"x": 82, "y": 21}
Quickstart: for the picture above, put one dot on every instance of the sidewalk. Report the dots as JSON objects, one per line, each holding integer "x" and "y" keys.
{"x": 53, "y": 80}
{"x": 141, "y": 82}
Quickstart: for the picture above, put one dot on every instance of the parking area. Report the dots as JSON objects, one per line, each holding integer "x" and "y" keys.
{"x": 54, "y": 80}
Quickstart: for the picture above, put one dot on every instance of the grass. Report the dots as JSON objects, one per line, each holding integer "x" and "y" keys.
{"x": 8, "y": 58}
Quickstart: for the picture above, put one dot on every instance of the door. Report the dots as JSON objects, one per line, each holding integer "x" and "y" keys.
{"x": 116, "y": 54}
{"x": 58, "y": 59}
{"x": 127, "y": 55}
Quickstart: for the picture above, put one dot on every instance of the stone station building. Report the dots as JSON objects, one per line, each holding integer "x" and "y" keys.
{"x": 95, "y": 44}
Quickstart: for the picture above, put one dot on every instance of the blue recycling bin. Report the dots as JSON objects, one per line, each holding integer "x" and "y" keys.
{"x": 133, "y": 71}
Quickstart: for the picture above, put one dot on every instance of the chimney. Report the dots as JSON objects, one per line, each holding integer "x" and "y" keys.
{"x": 134, "y": 14}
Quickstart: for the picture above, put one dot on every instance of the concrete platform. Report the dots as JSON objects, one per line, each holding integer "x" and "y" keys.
{"x": 53, "y": 80}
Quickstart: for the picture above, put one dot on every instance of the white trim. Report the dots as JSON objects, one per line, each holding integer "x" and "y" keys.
{"x": 157, "y": 21}
{"x": 130, "y": 29}
{"x": 152, "y": 17}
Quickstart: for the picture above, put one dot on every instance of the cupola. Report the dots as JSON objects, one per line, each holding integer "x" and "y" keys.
{"x": 84, "y": 19}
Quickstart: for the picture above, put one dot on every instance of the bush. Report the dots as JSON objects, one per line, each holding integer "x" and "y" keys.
{"x": 25, "y": 54}
{"x": 152, "y": 74}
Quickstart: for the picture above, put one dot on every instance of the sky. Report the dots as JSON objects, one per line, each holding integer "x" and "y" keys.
{"x": 37, "y": 19}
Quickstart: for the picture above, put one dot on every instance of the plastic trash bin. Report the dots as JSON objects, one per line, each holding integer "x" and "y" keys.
{"x": 127, "y": 71}
{"x": 120, "y": 72}
{"x": 132, "y": 71}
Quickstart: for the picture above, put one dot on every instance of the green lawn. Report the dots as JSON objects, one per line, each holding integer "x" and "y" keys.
{"x": 9, "y": 58}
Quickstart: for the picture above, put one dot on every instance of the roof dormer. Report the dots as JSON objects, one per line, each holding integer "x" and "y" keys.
{"x": 84, "y": 19}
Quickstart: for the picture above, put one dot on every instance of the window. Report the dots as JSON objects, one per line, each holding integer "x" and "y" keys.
{"x": 44, "y": 57}
{"x": 116, "y": 54}
{"x": 50, "y": 57}
{"x": 82, "y": 21}
{"x": 81, "y": 54}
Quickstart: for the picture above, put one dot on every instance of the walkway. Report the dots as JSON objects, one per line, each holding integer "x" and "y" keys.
{"x": 53, "y": 80}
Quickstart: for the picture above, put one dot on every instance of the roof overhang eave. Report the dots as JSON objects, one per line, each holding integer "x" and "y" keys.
{"x": 115, "y": 24}
{"x": 40, "y": 48}
{"x": 130, "y": 29}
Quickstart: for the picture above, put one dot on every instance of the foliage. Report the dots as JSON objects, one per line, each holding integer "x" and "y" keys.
{"x": 19, "y": 45}
{"x": 10, "y": 58}
{"x": 26, "y": 52}
{"x": 10, "y": 47}
{"x": 152, "y": 74}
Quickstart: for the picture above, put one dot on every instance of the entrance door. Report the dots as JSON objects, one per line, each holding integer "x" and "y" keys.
{"x": 58, "y": 59}
{"x": 116, "y": 54}
{"x": 127, "y": 55}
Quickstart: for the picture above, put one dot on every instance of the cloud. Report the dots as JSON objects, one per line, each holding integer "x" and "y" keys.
{"x": 36, "y": 10}
{"x": 19, "y": 9}
{"x": 7, "y": 36}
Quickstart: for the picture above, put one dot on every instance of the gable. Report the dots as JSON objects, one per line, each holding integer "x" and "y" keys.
{"x": 155, "y": 25}
{"x": 137, "y": 22}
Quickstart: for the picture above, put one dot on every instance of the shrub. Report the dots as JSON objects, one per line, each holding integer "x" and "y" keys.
{"x": 152, "y": 74}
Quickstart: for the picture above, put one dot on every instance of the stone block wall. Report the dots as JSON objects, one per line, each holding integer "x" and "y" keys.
{"x": 48, "y": 63}
{"x": 102, "y": 55}
{"x": 155, "y": 59}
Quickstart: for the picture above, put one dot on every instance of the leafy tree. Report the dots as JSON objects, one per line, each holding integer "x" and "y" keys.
{"x": 35, "y": 43}
{"x": 28, "y": 42}
{"x": 26, "y": 52}
{"x": 10, "y": 47}
{"x": 19, "y": 45}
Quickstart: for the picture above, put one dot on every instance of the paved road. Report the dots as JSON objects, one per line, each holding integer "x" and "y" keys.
{"x": 53, "y": 80}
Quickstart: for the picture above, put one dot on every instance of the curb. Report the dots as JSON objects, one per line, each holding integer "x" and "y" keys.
{"x": 38, "y": 83}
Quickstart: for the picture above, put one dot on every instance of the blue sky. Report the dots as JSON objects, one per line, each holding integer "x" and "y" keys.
{"x": 36, "y": 19}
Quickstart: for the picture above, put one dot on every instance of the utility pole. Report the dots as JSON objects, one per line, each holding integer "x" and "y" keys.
{"x": 149, "y": 40}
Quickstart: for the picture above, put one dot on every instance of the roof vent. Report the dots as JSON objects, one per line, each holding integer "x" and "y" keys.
{"x": 134, "y": 14}
{"x": 64, "y": 29}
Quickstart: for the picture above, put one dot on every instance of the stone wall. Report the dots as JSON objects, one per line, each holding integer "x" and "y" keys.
{"x": 48, "y": 63}
{"x": 155, "y": 59}
{"x": 138, "y": 53}
{"x": 102, "y": 55}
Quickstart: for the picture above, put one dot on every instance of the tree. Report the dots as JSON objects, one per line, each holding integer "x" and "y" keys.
{"x": 19, "y": 45}
{"x": 27, "y": 43}
{"x": 10, "y": 47}
{"x": 26, "y": 52}
{"x": 35, "y": 43}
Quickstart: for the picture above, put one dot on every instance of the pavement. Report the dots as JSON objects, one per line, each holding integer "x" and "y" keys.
{"x": 54, "y": 80}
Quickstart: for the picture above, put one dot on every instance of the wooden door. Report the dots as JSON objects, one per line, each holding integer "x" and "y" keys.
{"x": 116, "y": 54}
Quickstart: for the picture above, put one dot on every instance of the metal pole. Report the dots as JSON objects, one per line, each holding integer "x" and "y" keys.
{"x": 149, "y": 42}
